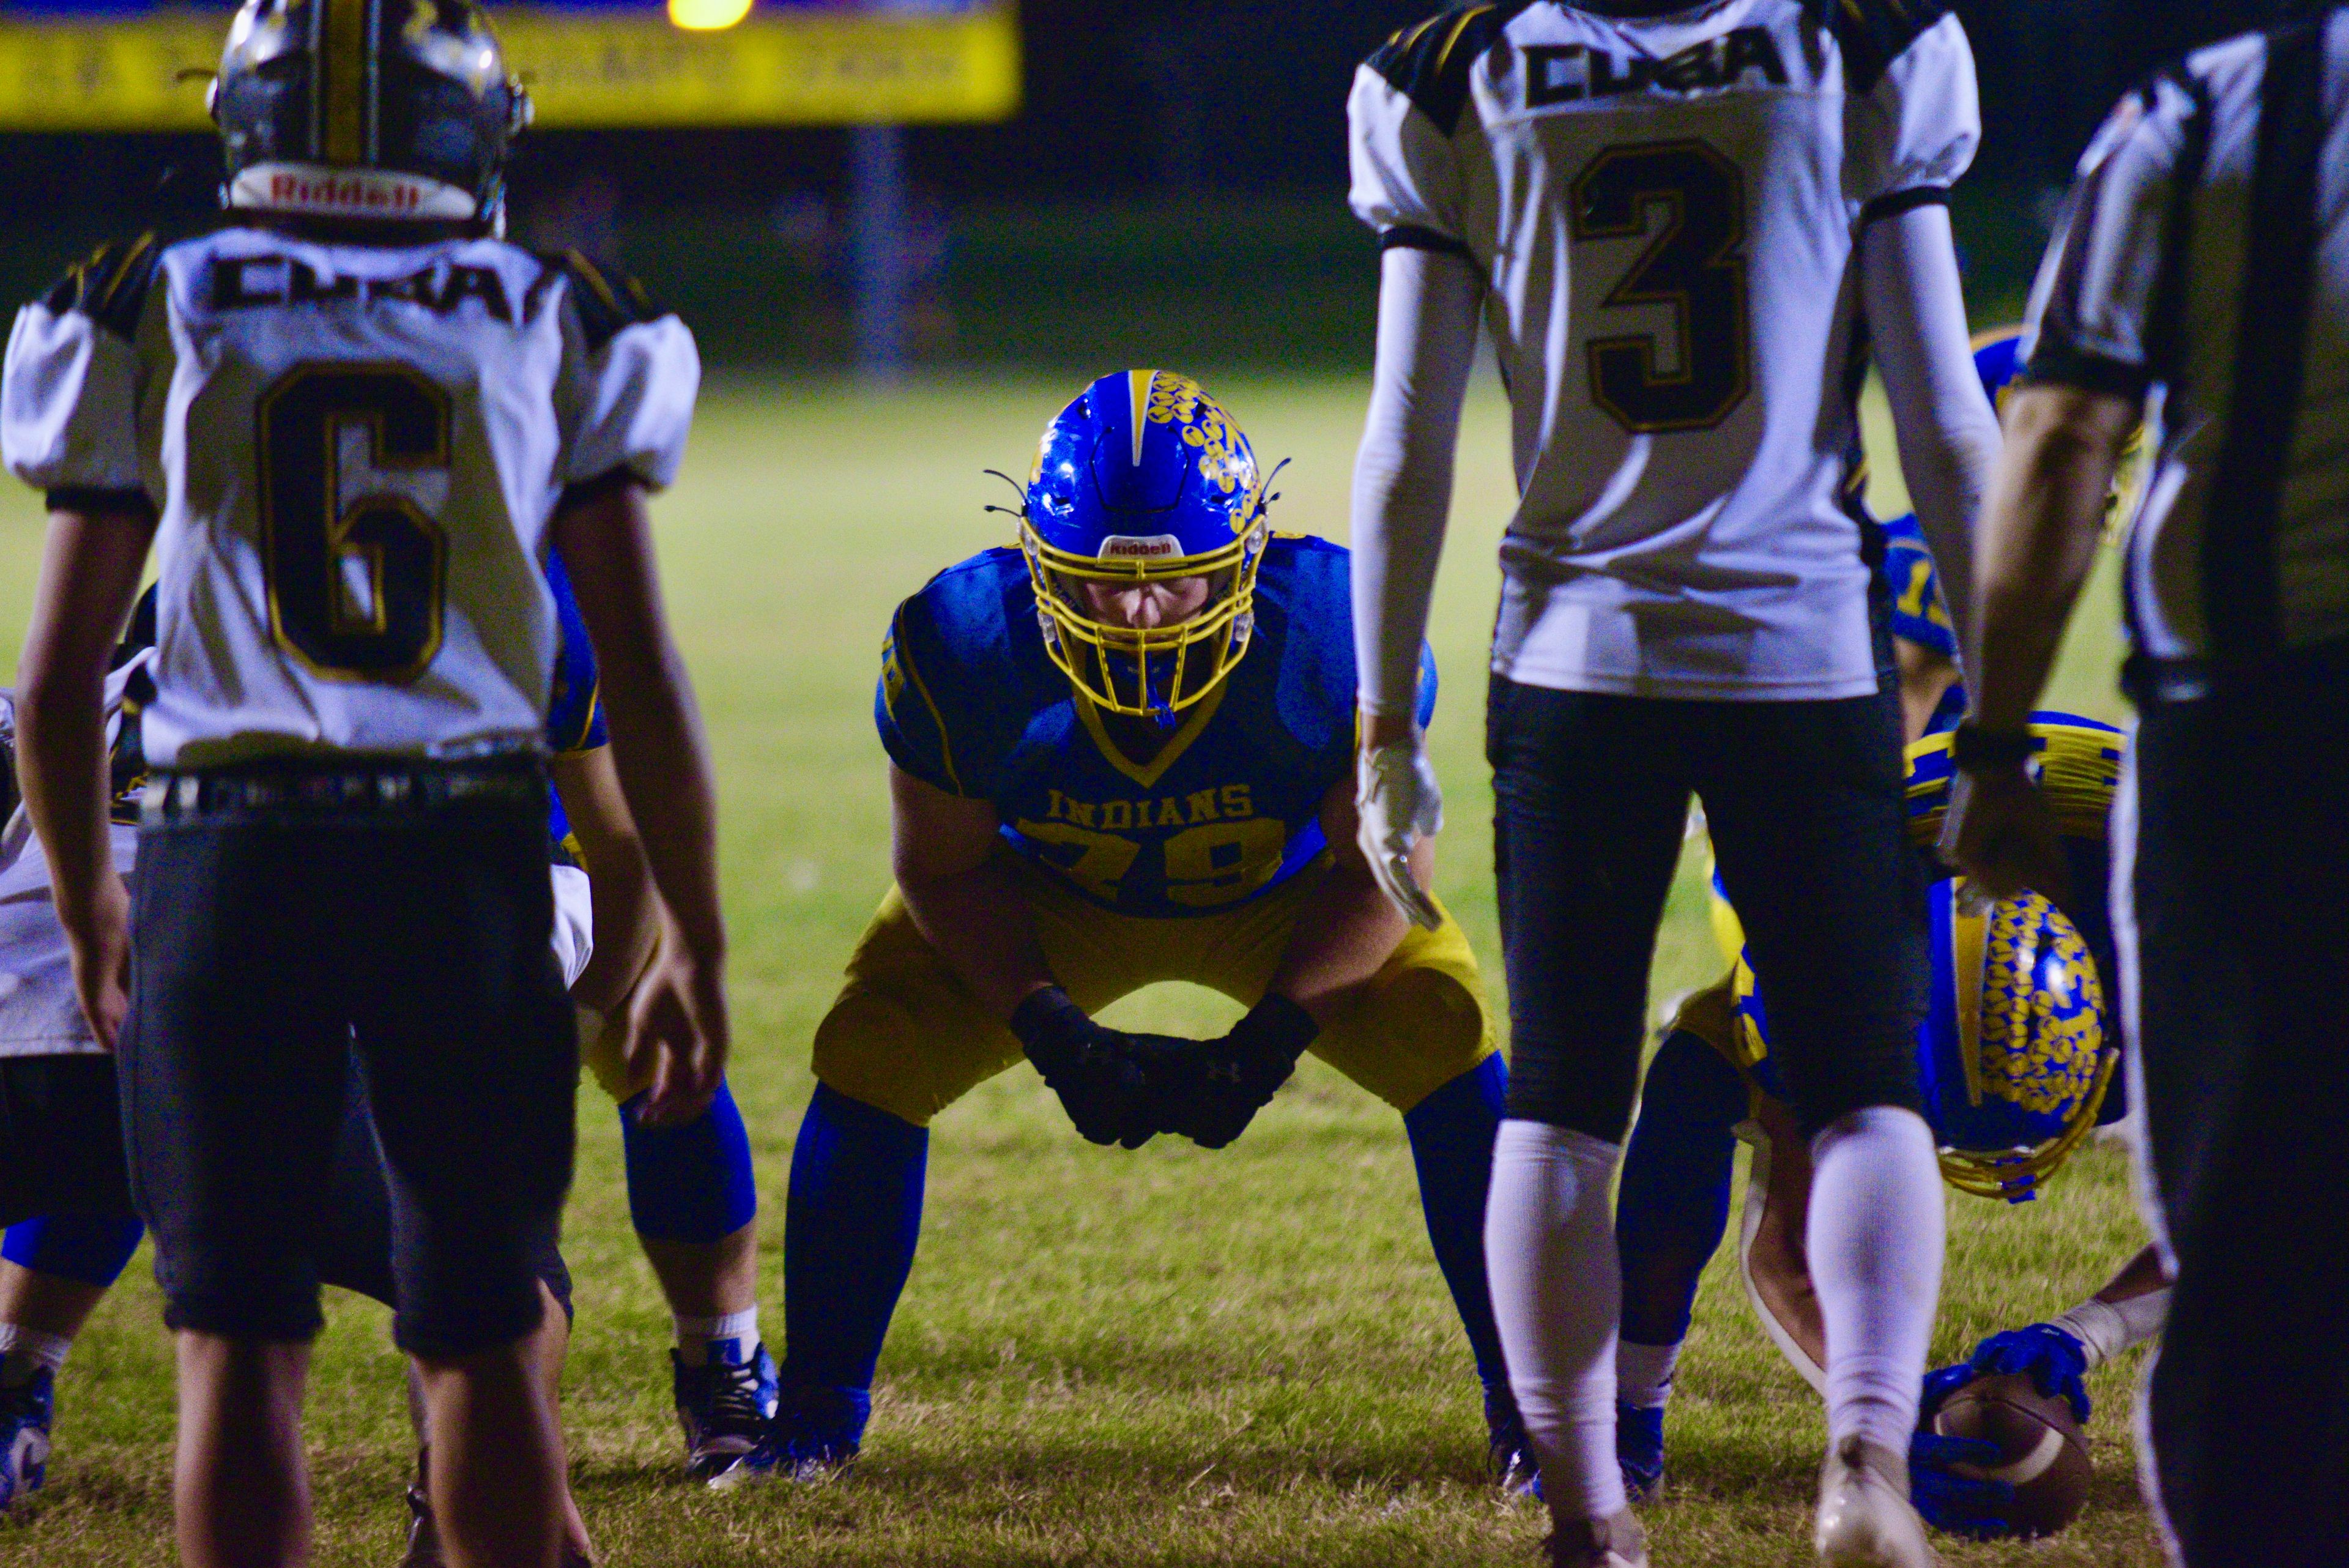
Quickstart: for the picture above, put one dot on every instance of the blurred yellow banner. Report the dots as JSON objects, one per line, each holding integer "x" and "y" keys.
{"x": 604, "y": 68}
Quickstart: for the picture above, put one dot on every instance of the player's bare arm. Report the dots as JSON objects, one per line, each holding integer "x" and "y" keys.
{"x": 1947, "y": 431}
{"x": 663, "y": 766}
{"x": 1348, "y": 928}
{"x": 965, "y": 904}
{"x": 626, "y": 909}
{"x": 89, "y": 576}
{"x": 1428, "y": 307}
{"x": 2039, "y": 536}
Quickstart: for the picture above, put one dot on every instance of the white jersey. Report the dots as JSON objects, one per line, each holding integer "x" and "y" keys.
{"x": 1665, "y": 207}
{"x": 2202, "y": 264}
{"x": 355, "y": 452}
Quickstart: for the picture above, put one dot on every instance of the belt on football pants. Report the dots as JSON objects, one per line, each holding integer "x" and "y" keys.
{"x": 341, "y": 789}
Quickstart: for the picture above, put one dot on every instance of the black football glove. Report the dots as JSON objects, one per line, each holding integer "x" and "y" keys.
{"x": 1224, "y": 1083}
{"x": 1098, "y": 1072}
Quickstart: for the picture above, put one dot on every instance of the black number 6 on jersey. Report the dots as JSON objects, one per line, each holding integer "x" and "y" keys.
{"x": 1696, "y": 266}
{"x": 349, "y": 457}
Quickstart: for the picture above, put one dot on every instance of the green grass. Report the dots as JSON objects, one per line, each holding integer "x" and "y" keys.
{"x": 1163, "y": 1357}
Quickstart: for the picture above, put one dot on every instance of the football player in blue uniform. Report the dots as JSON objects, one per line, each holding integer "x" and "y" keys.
{"x": 2017, "y": 1057}
{"x": 1121, "y": 754}
{"x": 692, "y": 1196}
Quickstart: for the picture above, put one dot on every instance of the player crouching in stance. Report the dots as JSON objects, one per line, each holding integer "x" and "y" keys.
{"x": 353, "y": 422}
{"x": 2018, "y": 1059}
{"x": 1122, "y": 754}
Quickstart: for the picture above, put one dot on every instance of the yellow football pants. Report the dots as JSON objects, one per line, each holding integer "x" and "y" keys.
{"x": 600, "y": 1039}
{"x": 907, "y": 1037}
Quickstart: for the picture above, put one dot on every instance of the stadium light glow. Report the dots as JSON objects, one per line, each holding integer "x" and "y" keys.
{"x": 707, "y": 15}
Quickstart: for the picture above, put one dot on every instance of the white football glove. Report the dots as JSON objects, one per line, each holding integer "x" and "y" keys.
{"x": 1399, "y": 803}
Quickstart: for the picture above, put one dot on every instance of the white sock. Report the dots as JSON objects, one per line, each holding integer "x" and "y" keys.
{"x": 1643, "y": 1374}
{"x": 1558, "y": 1290}
{"x": 2107, "y": 1329}
{"x": 729, "y": 1339}
{"x": 25, "y": 1351}
{"x": 1875, "y": 1240}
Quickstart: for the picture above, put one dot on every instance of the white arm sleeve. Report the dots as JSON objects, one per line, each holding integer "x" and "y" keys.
{"x": 1428, "y": 303}
{"x": 1948, "y": 432}
{"x": 2109, "y": 1328}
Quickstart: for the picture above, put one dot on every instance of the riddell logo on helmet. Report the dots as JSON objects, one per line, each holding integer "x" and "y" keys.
{"x": 1132, "y": 547}
{"x": 348, "y": 193}
{"x": 391, "y": 198}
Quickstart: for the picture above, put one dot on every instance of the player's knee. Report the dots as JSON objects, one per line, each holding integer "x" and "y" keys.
{"x": 275, "y": 1307}
{"x": 869, "y": 1049}
{"x": 457, "y": 1301}
{"x": 1566, "y": 1088}
{"x": 1691, "y": 1083}
{"x": 691, "y": 1183}
{"x": 1414, "y": 1037}
{"x": 1827, "y": 1086}
{"x": 86, "y": 1250}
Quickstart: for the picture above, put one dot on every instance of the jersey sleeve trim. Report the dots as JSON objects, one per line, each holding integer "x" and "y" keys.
{"x": 110, "y": 287}
{"x": 590, "y": 734}
{"x": 95, "y": 501}
{"x": 1900, "y": 202}
{"x": 609, "y": 483}
{"x": 902, "y": 654}
{"x": 1873, "y": 34}
{"x": 1413, "y": 237}
{"x": 1429, "y": 64}
{"x": 608, "y": 302}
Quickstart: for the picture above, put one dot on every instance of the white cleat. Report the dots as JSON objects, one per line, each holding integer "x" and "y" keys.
{"x": 1615, "y": 1542}
{"x": 1865, "y": 1520}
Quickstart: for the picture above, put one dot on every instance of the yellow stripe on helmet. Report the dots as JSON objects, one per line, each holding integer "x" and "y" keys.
{"x": 342, "y": 82}
{"x": 1141, "y": 383}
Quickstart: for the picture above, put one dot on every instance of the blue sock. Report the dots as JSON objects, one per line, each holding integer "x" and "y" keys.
{"x": 74, "y": 1247}
{"x": 690, "y": 1183}
{"x": 1452, "y": 1134}
{"x": 1673, "y": 1206}
{"x": 849, "y": 1231}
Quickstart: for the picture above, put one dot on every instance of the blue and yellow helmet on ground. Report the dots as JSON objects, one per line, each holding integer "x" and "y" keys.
{"x": 2018, "y": 1049}
{"x": 1145, "y": 479}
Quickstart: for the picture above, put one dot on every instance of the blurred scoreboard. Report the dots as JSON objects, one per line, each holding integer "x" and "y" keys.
{"x": 133, "y": 65}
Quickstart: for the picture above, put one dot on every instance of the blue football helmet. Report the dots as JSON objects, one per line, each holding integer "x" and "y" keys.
{"x": 2017, "y": 1051}
{"x": 1145, "y": 479}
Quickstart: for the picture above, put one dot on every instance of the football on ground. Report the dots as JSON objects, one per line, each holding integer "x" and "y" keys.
{"x": 1165, "y": 1358}
{"x": 2043, "y": 1453}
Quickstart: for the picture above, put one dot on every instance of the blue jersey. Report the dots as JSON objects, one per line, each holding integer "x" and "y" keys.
{"x": 575, "y": 713}
{"x": 1228, "y": 809}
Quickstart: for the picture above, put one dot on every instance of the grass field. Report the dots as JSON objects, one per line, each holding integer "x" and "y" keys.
{"x": 1165, "y": 1357}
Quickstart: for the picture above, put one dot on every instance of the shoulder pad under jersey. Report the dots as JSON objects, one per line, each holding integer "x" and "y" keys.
{"x": 111, "y": 286}
{"x": 609, "y": 301}
{"x": 1429, "y": 64}
{"x": 1875, "y": 33}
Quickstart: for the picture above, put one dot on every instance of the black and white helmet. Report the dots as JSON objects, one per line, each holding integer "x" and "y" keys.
{"x": 367, "y": 108}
